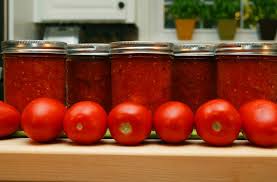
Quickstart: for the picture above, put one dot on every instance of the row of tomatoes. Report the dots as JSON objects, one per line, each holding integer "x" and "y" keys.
{"x": 217, "y": 122}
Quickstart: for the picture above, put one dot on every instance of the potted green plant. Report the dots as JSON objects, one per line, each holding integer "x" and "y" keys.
{"x": 227, "y": 14}
{"x": 185, "y": 13}
{"x": 265, "y": 12}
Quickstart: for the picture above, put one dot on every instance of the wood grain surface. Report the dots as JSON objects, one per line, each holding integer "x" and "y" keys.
{"x": 23, "y": 160}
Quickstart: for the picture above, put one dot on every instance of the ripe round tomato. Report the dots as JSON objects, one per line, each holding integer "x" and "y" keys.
{"x": 173, "y": 122}
{"x": 42, "y": 119}
{"x": 130, "y": 123}
{"x": 85, "y": 122}
{"x": 217, "y": 122}
{"x": 9, "y": 119}
{"x": 259, "y": 122}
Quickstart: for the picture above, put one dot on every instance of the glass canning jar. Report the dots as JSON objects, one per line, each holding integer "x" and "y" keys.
{"x": 194, "y": 74}
{"x": 32, "y": 69}
{"x": 141, "y": 72}
{"x": 246, "y": 71}
{"x": 89, "y": 74}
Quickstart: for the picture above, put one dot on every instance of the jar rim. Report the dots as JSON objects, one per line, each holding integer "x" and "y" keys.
{"x": 247, "y": 48}
{"x": 33, "y": 46}
{"x": 193, "y": 49}
{"x": 145, "y": 47}
{"x": 96, "y": 49}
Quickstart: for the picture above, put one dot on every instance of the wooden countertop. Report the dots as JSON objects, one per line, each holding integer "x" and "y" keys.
{"x": 24, "y": 160}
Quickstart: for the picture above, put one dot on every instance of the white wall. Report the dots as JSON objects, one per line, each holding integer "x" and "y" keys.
{"x": 21, "y": 20}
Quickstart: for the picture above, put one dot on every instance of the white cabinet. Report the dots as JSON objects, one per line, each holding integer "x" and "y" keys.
{"x": 84, "y": 10}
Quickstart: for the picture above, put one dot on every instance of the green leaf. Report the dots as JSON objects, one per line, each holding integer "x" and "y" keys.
{"x": 265, "y": 9}
{"x": 185, "y": 9}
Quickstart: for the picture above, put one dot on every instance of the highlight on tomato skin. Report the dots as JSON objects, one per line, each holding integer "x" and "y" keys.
{"x": 173, "y": 122}
{"x": 9, "y": 120}
{"x": 42, "y": 119}
{"x": 218, "y": 122}
{"x": 130, "y": 123}
{"x": 259, "y": 122}
{"x": 85, "y": 122}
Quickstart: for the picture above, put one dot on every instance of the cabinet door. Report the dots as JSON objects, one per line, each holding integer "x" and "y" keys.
{"x": 87, "y": 10}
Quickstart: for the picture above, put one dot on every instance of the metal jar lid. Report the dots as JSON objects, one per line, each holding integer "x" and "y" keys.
{"x": 244, "y": 48}
{"x": 33, "y": 46}
{"x": 193, "y": 50}
{"x": 141, "y": 47}
{"x": 88, "y": 49}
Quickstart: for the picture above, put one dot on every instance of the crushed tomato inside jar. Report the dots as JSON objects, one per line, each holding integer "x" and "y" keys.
{"x": 30, "y": 71}
{"x": 141, "y": 73}
{"x": 88, "y": 74}
{"x": 247, "y": 74}
{"x": 194, "y": 74}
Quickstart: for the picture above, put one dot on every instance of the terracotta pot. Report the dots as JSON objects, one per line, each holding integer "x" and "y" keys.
{"x": 267, "y": 29}
{"x": 227, "y": 29}
{"x": 185, "y": 28}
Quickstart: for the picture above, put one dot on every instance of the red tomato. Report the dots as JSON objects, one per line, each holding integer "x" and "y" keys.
{"x": 42, "y": 119}
{"x": 217, "y": 122}
{"x": 173, "y": 122}
{"x": 85, "y": 122}
{"x": 130, "y": 123}
{"x": 259, "y": 122}
{"x": 9, "y": 119}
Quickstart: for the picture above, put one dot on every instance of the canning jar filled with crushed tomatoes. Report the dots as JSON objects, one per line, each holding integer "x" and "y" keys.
{"x": 88, "y": 74}
{"x": 32, "y": 69}
{"x": 194, "y": 74}
{"x": 247, "y": 71}
{"x": 141, "y": 72}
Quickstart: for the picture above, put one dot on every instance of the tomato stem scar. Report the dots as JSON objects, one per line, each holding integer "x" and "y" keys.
{"x": 217, "y": 126}
{"x": 79, "y": 126}
{"x": 125, "y": 128}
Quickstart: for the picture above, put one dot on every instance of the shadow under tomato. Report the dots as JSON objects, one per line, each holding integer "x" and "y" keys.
{"x": 144, "y": 143}
{"x": 150, "y": 142}
{"x": 71, "y": 143}
{"x": 260, "y": 147}
{"x": 160, "y": 142}
{"x": 32, "y": 142}
{"x": 237, "y": 143}
{"x": 10, "y": 137}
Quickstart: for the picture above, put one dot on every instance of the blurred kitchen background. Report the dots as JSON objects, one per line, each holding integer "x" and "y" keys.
{"x": 155, "y": 20}
{"x": 113, "y": 20}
